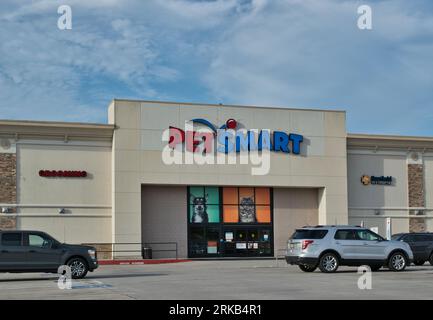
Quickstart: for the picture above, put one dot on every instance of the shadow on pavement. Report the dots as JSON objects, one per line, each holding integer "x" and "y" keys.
{"x": 89, "y": 277}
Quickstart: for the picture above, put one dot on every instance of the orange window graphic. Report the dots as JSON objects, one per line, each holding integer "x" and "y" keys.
{"x": 263, "y": 196}
{"x": 246, "y": 193}
{"x": 246, "y": 205}
{"x": 263, "y": 214}
{"x": 230, "y": 195}
{"x": 230, "y": 214}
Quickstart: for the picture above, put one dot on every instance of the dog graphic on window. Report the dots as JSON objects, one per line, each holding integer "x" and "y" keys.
{"x": 199, "y": 214}
{"x": 247, "y": 213}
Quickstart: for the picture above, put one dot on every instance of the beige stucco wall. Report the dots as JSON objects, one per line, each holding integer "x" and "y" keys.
{"x": 164, "y": 215}
{"x": 137, "y": 147}
{"x": 164, "y": 218}
{"x": 293, "y": 208}
{"x": 377, "y": 164}
{"x": 373, "y": 203}
{"x": 87, "y": 200}
{"x": 428, "y": 175}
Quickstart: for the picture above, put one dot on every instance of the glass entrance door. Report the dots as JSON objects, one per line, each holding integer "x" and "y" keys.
{"x": 246, "y": 241}
{"x": 229, "y": 221}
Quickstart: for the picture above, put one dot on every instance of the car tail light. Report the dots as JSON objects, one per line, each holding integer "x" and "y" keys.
{"x": 306, "y": 243}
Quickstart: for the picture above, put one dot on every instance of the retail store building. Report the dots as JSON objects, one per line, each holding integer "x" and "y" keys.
{"x": 108, "y": 183}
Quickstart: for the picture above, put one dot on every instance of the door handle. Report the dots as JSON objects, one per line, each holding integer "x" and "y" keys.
{"x": 365, "y": 243}
{"x": 32, "y": 251}
{"x": 5, "y": 251}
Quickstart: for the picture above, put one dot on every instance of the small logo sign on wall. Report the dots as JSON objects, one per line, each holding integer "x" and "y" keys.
{"x": 63, "y": 173}
{"x": 382, "y": 180}
{"x": 365, "y": 180}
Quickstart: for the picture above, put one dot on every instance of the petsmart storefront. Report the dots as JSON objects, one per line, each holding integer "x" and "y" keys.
{"x": 215, "y": 180}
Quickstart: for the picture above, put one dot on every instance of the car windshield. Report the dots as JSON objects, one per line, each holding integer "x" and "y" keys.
{"x": 309, "y": 234}
{"x": 396, "y": 237}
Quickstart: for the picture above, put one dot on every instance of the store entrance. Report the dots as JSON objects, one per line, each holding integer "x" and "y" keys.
{"x": 246, "y": 241}
{"x": 229, "y": 221}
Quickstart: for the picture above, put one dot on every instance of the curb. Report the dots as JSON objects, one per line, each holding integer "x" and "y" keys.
{"x": 139, "y": 262}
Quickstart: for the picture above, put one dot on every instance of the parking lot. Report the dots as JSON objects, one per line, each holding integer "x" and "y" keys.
{"x": 253, "y": 279}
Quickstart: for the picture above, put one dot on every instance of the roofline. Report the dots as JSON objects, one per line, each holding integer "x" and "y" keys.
{"x": 390, "y": 142}
{"x": 363, "y": 136}
{"x": 226, "y": 105}
{"x": 57, "y": 124}
{"x": 56, "y": 130}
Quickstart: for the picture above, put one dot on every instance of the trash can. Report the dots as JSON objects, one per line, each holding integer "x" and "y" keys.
{"x": 146, "y": 253}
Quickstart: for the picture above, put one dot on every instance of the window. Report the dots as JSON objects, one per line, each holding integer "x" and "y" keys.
{"x": 421, "y": 237}
{"x": 11, "y": 239}
{"x": 204, "y": 205}
{"x": 409, "y": 238}
{"x": 309, "y": 234}
{"x": 345, "y": 235}
{"x": 246, "y": 205}
{"x": 396, "y": 237}
{"x": 204, "y": 240}
{"x": 36, "y": 240}
{"x": 368, "y": 235}
{"x": 228, "y": 221}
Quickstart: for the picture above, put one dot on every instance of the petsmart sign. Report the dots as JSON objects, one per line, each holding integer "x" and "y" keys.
{"x": 229, "y": 138}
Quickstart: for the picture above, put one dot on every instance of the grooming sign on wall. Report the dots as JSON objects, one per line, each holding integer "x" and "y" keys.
{"x": 63, "y": 173}
{"x": 230, "y": 138}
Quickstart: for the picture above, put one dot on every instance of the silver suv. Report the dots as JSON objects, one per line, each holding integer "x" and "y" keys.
{"x": 328, "y": 247}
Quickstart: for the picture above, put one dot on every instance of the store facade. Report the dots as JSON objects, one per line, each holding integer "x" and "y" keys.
{"x": 155, "y": 174}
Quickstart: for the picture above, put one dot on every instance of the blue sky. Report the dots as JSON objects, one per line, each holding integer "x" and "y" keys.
{"x": 290, "y": 53}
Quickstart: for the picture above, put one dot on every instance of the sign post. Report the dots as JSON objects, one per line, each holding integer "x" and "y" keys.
{"x": 388, "y": 228}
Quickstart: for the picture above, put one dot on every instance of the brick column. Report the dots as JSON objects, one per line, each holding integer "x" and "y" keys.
{"x": 416, "y": 196}
{"x": 8, "y": 187}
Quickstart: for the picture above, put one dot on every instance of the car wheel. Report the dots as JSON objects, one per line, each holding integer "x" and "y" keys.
{"x": 375, "y": 268}
{"x": 419, "y": 262}
{"x": 78, "y": 267}
{"x": 328, "y": 263}
{"x": 431, "y": 259}
{"x": 307, "y": 268}
{"x": 397, "y": 261}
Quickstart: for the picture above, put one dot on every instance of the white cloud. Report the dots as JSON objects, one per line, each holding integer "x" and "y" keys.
{"x": 310, "y": 54}
{"x": 294, "y": 53}
{"x": 44, "y": 71}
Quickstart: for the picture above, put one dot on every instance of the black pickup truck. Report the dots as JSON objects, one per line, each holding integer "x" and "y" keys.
{"x": 421, "y": 245}
{"x": 36, "y": 251}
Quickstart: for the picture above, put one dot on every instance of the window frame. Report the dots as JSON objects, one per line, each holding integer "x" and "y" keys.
{"x": 351, "y": 230}
{"x": 380, "y": 238}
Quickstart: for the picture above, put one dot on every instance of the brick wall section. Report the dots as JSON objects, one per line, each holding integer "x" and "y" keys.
{"x": 8, "y": 223}
{"x": 8, "y": 187}
{"x": 416, "y": 196}
{"x": 8, "y": 178}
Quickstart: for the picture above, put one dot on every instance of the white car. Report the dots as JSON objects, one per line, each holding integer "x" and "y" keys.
{"x": 328, "y": 247}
